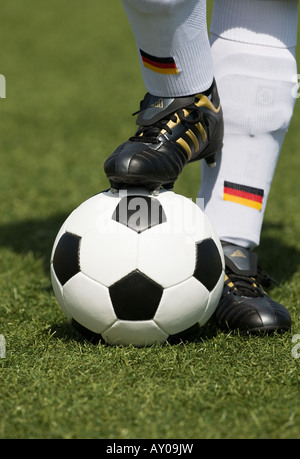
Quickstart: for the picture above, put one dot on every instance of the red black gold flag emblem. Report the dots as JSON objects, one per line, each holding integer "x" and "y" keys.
{"x": 166, "y": 65}
{"x": 242, "y": 194}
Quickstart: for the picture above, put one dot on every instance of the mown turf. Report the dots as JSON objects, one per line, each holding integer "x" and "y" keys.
{"x": 73, "y": 79}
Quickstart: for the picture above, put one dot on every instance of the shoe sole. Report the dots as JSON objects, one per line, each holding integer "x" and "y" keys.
{"x": 122, "y": 181}
{"x": 131, "y": 180}
{"x": 261, "y": 330}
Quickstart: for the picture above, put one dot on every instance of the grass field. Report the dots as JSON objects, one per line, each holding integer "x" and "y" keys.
{"x": 73, "y": 79}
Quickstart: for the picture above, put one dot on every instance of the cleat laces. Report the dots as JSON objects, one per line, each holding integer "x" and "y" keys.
{"x": 149, "y": 134}
{"x": 249, "y": 286}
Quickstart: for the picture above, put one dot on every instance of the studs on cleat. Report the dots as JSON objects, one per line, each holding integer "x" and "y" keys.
{"x": 151, "y": 190}
{"x": 212, "y": 164}
{"x": 155, "y": 192}
{"x": 211, "y": 160}
{"x": 169, "y": 186}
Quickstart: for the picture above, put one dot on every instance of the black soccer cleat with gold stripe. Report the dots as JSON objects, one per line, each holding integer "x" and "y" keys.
{"x": 244, "y": 305}
{"x": 172, "y": 132}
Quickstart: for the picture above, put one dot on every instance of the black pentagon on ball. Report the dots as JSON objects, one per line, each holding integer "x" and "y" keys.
{"x": 208, "y": 263}
{"x": 139, "y": 213}
{"x": 135, "y": 297}
{"x": 66, "y": 257}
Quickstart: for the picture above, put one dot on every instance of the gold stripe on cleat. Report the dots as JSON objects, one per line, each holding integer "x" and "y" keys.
{"x": 193, "y": 138}
{"x": 185, "y": 146}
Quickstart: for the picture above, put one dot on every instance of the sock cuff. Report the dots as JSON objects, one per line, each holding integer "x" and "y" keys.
{"x": 259, "y": 22}
{"x": 191, "y": 76}
{"x": 173, "y": 45}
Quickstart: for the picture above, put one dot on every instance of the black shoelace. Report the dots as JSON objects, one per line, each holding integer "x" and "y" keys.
{"x": 249, "y": 286}
{"x": 150, "y": 133}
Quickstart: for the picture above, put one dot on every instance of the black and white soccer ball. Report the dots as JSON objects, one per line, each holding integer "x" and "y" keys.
{"x": 133, "y": 268}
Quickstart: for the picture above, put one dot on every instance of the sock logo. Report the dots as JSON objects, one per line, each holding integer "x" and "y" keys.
{"x": 239, "y": 254}
{"x": 166, "y": 65}
{"x": 243, "y": 194}
{"x": 158, "y": 103}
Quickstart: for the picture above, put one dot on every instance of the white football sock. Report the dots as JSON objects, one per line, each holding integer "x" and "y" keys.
{"x": 173, "y": 45}
{"x": 254, "y": 61}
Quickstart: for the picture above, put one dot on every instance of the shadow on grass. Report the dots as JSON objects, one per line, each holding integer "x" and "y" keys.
{"x": 32, "y": 236}
{"x": 279, "y": 259}
{"x": 66, "y": 332}
{"x": 73, "y": 331}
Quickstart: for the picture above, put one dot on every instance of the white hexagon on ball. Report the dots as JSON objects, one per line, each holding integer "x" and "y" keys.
{"x": 165, "y": 255}
{"x": 108, "y": 253}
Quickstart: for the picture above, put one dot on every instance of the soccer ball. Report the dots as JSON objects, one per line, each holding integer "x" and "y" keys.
{"x": 133, "y": 268}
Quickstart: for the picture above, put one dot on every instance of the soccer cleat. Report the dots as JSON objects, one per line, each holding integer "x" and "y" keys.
{"x": 172, "y": 132}
{"x": 244, "y": 305}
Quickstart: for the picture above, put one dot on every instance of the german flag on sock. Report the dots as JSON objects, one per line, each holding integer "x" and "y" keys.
{"x": 242, "y": 194}
{"x": 164, "y": 65}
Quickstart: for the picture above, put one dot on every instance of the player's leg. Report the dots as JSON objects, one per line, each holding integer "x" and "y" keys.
{"x": 180, "y": 119}
{"x": 253, "y": 48}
